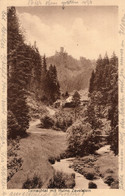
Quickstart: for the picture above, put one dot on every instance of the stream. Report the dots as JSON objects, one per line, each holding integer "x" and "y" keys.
{"x": 80, "y": 181}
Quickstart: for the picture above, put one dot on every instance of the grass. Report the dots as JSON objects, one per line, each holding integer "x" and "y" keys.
{"x": 35, "y": 151}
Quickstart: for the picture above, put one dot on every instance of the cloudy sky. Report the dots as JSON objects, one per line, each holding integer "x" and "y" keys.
{"x": 82, "y": 31}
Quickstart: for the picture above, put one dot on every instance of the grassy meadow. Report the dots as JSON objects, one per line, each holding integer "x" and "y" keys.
{"x": 35, "y": 150}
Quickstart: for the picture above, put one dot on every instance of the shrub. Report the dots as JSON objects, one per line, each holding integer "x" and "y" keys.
{"x": 82, "y": 139}
{"x": 113, "y": 140}
{"x": 13, "y": 129}
{"x": 47, "y": 121}
{"x": 89, "y": 176}
{"x": 63, "y": 155}
{"x": 32, "y": 183}
{"x": 108, "y": 180}
{"x": 51, "y": 160}
{"x": 92, "y": 185}
{"x": 62, "y": 180}
{"x": 63, "y": 120}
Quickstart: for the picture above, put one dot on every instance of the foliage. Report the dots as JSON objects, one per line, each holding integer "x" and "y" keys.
{"x": 14, "y": 160}
{"x": 18, "y": 70}
{"x": 91, "y": 81}
{"x": 62, "y": 180}
{"x": 52, "y": 84}
{"x": 76, "y": 99}
{"x": 104, "y": 96}
{"x": 36, "y": 108}
{"x": 92, "y": 185}
{"x": 32, "y": 183}
{"x": 27, "y": 72}
{"x": 13, "y": 126}
{"x": 82, "y": 139}
{"x": 60, "y": 121}
{"x": 63, "y": 120}
{"x": 51, "y": 160}
{"x": 92, "y": 118}
{"x": 76, "y": 103}
{"x": 47, "y": 121}
{"x": 113, "y": 140}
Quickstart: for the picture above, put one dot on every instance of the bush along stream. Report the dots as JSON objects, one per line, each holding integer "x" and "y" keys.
{"x": 81, "y": 182}
{"x": 89, "y": 172}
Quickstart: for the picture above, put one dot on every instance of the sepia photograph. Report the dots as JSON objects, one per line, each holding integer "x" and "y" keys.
{"x": 62, "y": 97}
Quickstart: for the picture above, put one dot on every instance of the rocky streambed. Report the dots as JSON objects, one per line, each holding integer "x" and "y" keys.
{"x": 93, "y": 171}
{"x": 80, "y": 181}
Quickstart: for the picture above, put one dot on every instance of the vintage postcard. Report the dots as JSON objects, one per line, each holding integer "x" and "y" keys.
{"x": 62, "y": 128}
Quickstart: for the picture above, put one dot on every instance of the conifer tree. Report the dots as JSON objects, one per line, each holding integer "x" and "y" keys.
{"x": 91, "y": 84}
{"x": 114, "y": 59}
{"x": 106, "y": 95}
{"x": 105, "y": 59}
{"x": 18, "y": 71}
{"x": 76, "y": 102}
{"x": 53, "y": 84}
{"x": 98, "y": 73}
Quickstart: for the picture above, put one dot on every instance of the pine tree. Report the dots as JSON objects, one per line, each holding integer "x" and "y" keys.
{"x": 18, "y": 70}
{"x": 114, "y": 59}
{"x": 105, "y": 60}
{"x": 14, "y": 34}
{"x": 98, "y": 73}
{"x": 91, "y": 84}
{"x": 76, "y": 102}
{"x": 105, "y": 95}
{"x": 44, "y": 65}
{"x": 53, "y": 84}
{"x": 76, "y": 98}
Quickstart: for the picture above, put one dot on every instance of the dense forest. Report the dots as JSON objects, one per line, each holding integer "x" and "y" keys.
{"x": 103, "y": 92}
{"x": 27, "y": 72}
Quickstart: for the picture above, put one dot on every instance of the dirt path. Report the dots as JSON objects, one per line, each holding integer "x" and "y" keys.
{"x": 35, "y": 151}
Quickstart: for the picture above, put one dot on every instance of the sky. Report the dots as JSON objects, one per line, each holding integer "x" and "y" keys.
{"x": 82, "y": 30}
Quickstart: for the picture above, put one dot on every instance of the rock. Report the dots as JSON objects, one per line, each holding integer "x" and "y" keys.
{"x": 92, "y": 185}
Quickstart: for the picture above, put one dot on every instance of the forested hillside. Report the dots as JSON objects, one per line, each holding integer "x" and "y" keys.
{"x": 103, "y": 91}
{"x": 27, "y": 72}
{"x": 73, "y": 74}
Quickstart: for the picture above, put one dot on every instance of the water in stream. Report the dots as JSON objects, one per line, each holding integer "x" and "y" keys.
{"x": 80, "y": 180}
